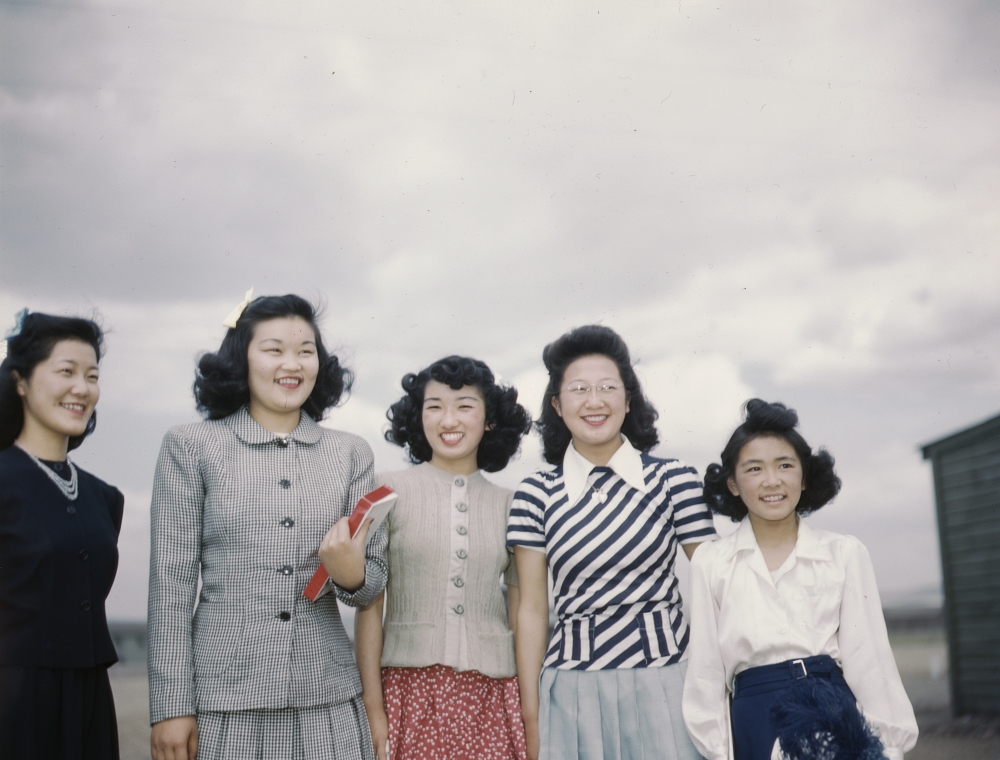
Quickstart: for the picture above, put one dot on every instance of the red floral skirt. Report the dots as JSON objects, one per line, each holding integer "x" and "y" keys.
{"x": 437, "y": 713}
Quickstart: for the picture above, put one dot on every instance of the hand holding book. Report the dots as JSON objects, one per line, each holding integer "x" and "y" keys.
{"x": 342, "y": 552}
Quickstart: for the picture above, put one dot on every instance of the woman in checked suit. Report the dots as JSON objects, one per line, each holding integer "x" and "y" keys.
{"x": 247, "y": 499}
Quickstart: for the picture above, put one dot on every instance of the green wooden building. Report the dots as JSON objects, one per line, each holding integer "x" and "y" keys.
{"x": 967, "y": 491}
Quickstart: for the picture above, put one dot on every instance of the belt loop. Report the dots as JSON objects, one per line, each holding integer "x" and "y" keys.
{"x": 802, "y": 665}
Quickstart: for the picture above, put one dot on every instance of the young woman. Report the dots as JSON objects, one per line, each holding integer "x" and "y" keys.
{"x": 439, "y": 678}
{"x": 606, "y": 520}
{"x": 58, "y": 547}
{"x": 788, "y": 638}
{"x": 245, "y": 500}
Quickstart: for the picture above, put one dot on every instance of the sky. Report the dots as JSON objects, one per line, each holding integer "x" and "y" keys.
{"x": 796, "y": 201}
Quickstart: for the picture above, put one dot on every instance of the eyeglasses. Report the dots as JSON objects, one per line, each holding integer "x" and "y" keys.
{"x": 582, "y": 391}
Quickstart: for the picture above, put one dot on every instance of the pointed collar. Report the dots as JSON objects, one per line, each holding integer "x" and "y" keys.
{"x": 248, "y": 430}
{"x": 807, "y": 544}
{"x": 626, "y": 462}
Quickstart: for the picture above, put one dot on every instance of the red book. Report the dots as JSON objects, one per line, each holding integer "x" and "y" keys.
{"x": 375, "y": 506}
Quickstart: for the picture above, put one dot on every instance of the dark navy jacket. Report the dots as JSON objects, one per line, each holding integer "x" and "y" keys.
{"x": 58, "y": 559}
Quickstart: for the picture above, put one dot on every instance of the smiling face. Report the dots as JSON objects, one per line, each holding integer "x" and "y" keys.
{"x": 454, "y": 423}
{"x": 593, "y": 404}
{"x": 283, "y": 365}
{"x": 768, "y": 478}
{"x": 60, "y": 395}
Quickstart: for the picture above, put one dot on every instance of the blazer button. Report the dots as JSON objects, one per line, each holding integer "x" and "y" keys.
{"x": 283, "y": 442}
{"x": 284, "y": 616}
{"x": 459, "y": 609}
{"x": 85, "y": 605}
{"x": 461, "y": 530}
{"x": 84, "y": 554}
{"x": 462, "y": 506}
{"x": 285, "y": 483}
{"x": 459, "y": 582}
{"x": 459, "y": 482}
{"x": 462, "y": 554}
{"x": 71, "y": 510}
{"x": 286, "y": 570}
{"x": 288, "y": 522}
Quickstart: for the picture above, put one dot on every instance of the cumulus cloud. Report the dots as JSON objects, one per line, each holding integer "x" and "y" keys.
{"x": 784, "y": 200}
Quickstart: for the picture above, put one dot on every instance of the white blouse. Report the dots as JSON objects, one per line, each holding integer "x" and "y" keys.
{"x": 822, "y": 600}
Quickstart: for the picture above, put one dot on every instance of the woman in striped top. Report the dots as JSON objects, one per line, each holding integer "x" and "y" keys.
{"x": 606, "y": 520}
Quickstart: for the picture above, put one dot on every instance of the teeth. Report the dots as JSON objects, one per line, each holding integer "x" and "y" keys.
{"x": 452, "y": 437}
{"x": 289, "y": 382}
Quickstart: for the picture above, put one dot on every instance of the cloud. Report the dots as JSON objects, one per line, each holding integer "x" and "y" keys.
{"x": 791, "y": 201}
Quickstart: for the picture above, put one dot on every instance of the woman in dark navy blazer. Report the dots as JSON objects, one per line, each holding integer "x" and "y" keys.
{"x": 58, "y": 548}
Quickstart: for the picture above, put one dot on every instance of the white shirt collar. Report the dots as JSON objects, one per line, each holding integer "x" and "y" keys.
{"x": 626, "y": 462}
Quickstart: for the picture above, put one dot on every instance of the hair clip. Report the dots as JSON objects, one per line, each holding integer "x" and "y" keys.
{"x": 18, "y": 325}
{"x": 236, "y": 313}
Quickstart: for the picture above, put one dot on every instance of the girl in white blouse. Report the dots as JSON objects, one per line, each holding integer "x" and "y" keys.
{"x": 789, "y": 652}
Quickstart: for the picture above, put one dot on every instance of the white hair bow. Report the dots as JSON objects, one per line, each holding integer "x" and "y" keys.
{"x": 235, "y": 314}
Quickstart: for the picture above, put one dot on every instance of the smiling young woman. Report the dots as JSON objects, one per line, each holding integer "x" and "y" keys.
{"x": 788, "y": 638}
{"x": 606, "y": 520}
{"x": 439, "y": 676}
{"x": 245, "y": 501}
{"x": 58, "y": 547}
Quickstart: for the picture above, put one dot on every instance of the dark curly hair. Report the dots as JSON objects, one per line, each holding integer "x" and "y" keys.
{"x": 592, "y": 340}
{"x": 506, "y": 420}
{"x": 221, "y": 386}
{"x": 764, "y": 420}
{"x": 33, "y": 345}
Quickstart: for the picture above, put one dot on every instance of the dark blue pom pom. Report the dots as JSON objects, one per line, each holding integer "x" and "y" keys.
{"x": 816, "y": 720}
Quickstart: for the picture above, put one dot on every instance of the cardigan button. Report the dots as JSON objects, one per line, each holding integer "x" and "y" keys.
{"x": 288, "y": 522}
{"x": 284, "y": 616}
{"x": 286, "y": 570}
{"x": 462, "y": 530}
{"x": 462, "y": 506}
{"x": 285, "y": 483}
{"x": 462, "y": 554}
{"x": 84, "y": 554}
{"x": 459, "y": 609}
{"x": 85, "y": 605}
{"x": 71, "y": 510}
{"x": 459, "y": 482}
{"x": 459, "y": 582}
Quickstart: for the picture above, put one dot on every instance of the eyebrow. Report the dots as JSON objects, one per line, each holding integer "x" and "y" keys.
{"x": 279, "y": 340}
{"x": 782, "y": 458}
{"x": 460, "y": 398}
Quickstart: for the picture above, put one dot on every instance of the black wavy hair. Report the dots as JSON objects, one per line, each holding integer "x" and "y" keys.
{"x": 764, "y": 420}
{"x": 506, "y": 420}
{"x": 592, "y": 340}
{"x": 221, "y": 384}
{"x": 39, "y": 335}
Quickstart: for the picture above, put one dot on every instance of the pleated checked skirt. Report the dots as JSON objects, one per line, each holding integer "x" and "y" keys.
{"x": 621, "y": 714}
{"x": 327, "y": 732}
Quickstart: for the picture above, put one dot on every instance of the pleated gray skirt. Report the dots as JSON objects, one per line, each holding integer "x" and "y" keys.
{"x": 327, "y": 732}
{"x": 623, "y": 714}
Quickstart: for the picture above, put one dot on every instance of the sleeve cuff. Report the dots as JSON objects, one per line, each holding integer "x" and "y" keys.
{"x": 893, "y": 753}
{"x": 364, "y": 595}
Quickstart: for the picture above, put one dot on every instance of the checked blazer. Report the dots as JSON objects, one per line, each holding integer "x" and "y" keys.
{"x": 246, "y": 510}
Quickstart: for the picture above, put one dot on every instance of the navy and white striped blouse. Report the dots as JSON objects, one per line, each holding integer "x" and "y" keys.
{"x": 611, "y": 553}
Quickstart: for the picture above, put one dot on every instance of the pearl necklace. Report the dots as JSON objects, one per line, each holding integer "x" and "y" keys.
{"x": 69, "y": 489}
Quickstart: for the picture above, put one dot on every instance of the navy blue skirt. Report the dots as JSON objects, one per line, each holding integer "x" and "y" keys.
{"x": 57, "y": 714}
{"x": 806, "y": 704}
